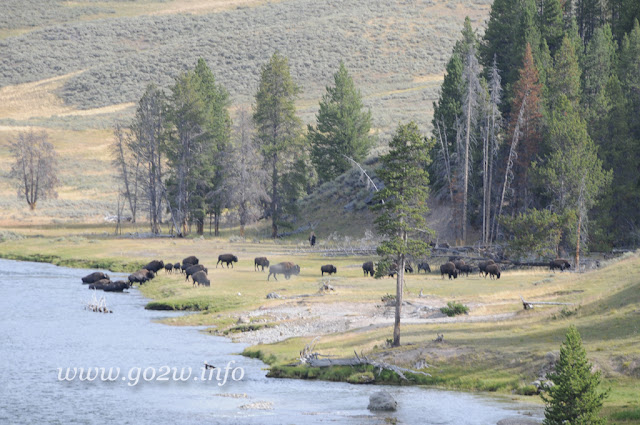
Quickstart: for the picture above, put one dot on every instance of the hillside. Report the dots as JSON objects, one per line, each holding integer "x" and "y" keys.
{"x": 76, "y": 68}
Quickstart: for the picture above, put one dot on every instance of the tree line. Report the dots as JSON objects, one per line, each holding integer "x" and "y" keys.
{"x": 536, "y": 129}
{"x": 182, "y": 155}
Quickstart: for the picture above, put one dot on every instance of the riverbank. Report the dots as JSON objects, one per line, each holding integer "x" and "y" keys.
{"x": 498, "y": 347}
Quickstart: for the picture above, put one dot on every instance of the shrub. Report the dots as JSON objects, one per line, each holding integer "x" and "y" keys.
{"x": 454, "y": 309}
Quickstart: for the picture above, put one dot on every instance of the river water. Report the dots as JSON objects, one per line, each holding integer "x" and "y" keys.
{"x": 44, "y": 327}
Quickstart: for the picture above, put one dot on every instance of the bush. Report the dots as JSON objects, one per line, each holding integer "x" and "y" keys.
{"x": 454, "y": 309}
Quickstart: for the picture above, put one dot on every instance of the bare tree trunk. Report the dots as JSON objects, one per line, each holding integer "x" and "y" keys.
{"x": 399, "y": 291}
{"x": 447, "y": 161}
{"x": 578, "y": 242}
{"x": 465, "y": 189}
{"x": 274, "y": 199}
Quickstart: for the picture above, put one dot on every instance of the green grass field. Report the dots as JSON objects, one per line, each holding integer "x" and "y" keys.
{"x": 502, "y": 356}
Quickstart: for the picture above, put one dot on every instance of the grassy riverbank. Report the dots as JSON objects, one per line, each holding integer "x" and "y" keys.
{"x": 498, "y": 347}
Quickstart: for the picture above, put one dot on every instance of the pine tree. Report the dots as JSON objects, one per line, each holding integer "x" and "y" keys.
{"x": 278, "y": 130}
{"x": 598, "y": 67}
{"x": 565, "y": 77}
{"x": 402, "y": 204}
{"x": 342, "y": 128}
{"x": 629, "y": 72}
{"x": 588, "y": 17}
{"x": 572, "y": 174}
{"x": 552, "y": 24}
{"x": 574, "y": 398}
{"x": 527, "y": 91}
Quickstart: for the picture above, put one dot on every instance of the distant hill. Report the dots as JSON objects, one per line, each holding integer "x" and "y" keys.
{"x": 75, "y": 68}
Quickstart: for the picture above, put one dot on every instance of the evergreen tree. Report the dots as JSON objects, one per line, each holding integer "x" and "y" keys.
{"x": 598, "y": 67}
{"x": 402, "y": 204}
{"x": 629, "y": 72}
{"x": 527, "y": 92}
{"x": 572, "y": 174}
{"x": 574, "y": 398}
{"x": 277, "y": 131}
{"x": 588, "y": 17}
{"x": 565, "y": 77}
{"x": 342, "y": 128}
{"x": 552, "y": 24}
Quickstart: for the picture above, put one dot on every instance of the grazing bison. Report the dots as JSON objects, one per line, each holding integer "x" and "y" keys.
{"x": 425, "y": 267}
{"x": 141, "y": 276}
{"x": 99, "y": 284}
{"x": 465, "y": 269}
{"x": 193, "y": 260}
{"x": 94, "y": 277}
{"x": 200, "y": 278}
{"x": 493, "y": 270}
{"x": 117, "y": 286}
{"x": 458, "y": 264}
{"x": 449, "y": 269}
{"x": 227, "y": 258}
{"x": 286, "y": 268}
{"x": 168, "y": 268}
{"x": 559, "y": 263}
{"x": 328, "y": 268}
{"x": 154, "y": 266}
{"x": 193, "y": 270}
{"x": 260, "y": 262}
{"x": 368, "y": 268}
{"x": 483, "y": 267}
{"x": 176, "y": 266}
{"x": 408, "y": 268}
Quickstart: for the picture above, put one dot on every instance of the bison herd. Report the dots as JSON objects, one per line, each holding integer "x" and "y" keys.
{"x": 191, "y": 268}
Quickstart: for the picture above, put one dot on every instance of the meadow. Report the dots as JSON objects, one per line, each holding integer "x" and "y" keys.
{"x": 498, "y": 347}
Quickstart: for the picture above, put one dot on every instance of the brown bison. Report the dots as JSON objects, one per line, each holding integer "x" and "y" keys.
{"x": 559, "y": 263}
{"x": 493, "y": 270}
{"x": 286, "y": 268}
{"x": 368, "y": 268}
{"x": 94, "y": 277}
{"x": 449, "y": 269}
{"x": 168, "y": 268}
{"x": 154, "y": 266}
{"x": 458, "y": 264}
{"x": 193, "y": 260}
{"x": 408, "y": 268}
{"x": 141, "y": 276}
{"x": 483, "y": 267}
{"x": 227, "y": 258}
{"x": 425, "y": 267}
{"x": 117, "y": 286}
{"x": 328, "y": 268}
{"x": 260, "y": 262}
{"x": 200, "y": 278}
{"x": 465, "y": 269}
{"x": 99, "y": 284}
{"x": 193, "y": 270}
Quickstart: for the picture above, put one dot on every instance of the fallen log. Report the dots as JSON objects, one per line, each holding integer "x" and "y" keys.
{"x": 311, "y": 358}
{"x": 529, "y": 304}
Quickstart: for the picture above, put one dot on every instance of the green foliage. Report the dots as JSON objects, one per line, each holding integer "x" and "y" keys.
{"x": 565, "y": 77}
{"x": 535, "y": 232}
{"x": 454, "y": 309}
{"x": 278, "y": 132}
{"x": 598, "y": 67}
{"x": 574, "y": 398}
{"x": 552, "y": 24}
{"x": 342, "y": 128}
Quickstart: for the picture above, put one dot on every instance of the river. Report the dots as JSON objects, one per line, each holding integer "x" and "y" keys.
{"x": 45, "y": 327}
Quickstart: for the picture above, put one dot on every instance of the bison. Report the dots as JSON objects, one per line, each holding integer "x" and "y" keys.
{"x": 493, "y": 270}
{"x": 286, "y": 268}
{"x": 425, "y": 267}
{"x": 117, "y": 286}
{"x": 465, "y": 269}
{"x": 200, "y": 278}
{"x": 368, "y": 268}
{"x": 483, "y": 267}
{"x": 449, "y": 269}
{"x": 260, "y": 262}
{"x": 141, "y": 276}
{"x": 227, "y": 258}
{"x": 176, "y": 266}
{"x": 458, "y": 264}
{"x": 99, "y": 284}
{"x": 408, "y": 268}
{"x": 94, "y": 277}
{"x": 328, "y": 268}
{"x": 168, "y": 268}
{"x": 154, "y": 266}
{"x": 193, "y": 260}
{"x": 194, "y": 269}
{"x": 559, "y": 263}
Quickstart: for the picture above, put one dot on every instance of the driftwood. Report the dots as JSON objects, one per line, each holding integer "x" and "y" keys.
{"x": 311, "y": 358}
{"x": 529, "y": 304}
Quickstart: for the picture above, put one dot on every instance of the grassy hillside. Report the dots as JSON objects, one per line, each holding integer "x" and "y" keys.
{"x": 74, "y": 68}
